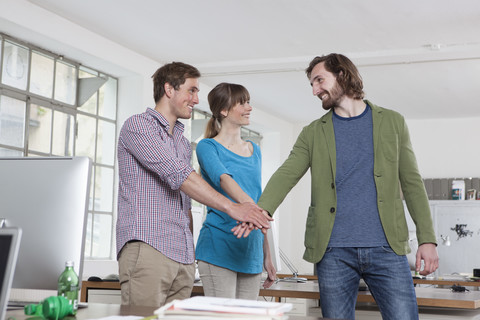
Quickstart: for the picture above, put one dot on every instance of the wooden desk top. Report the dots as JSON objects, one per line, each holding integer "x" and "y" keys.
{"x": 432, "y": 297}
{"x": 435, "y": 297}
{"x": 439, "y": 282}
{"x": 307, "y": 290}
{"x": 427, "y": 297}
{"x": 279, "y": 290}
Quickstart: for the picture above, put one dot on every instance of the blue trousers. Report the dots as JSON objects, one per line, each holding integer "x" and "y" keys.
{"x": 386, "y": 274}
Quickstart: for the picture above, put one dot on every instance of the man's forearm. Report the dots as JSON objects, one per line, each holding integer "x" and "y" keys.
{"x": 199, "y": 190}
{"x": 232, "y": 188}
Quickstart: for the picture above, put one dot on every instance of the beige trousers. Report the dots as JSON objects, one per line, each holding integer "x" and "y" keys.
{"x": 225, "y": 283}
{"x": 149, "y": 278}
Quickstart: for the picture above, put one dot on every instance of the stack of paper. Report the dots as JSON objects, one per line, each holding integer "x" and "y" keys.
{"x": 222, "y": 308}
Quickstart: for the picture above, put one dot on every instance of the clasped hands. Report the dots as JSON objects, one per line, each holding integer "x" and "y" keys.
{"x": 251, "y": 217}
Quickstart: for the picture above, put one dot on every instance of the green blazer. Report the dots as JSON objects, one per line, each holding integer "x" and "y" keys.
{"x": 395, "y": 171}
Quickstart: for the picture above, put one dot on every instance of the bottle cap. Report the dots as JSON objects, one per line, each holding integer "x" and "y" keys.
{"x": 69, "y": 263}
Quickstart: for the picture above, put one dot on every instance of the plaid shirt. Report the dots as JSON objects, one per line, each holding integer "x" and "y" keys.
{"x": 152, "y": 166}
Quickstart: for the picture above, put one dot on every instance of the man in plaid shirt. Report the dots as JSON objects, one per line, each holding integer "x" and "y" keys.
{"x": 155, "y": 249}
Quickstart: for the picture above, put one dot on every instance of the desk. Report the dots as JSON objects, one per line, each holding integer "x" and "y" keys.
{"x": 103, "y": 285}
{"x": 449, "y": 283}
{"x": 280, "y": 290}
{"x": 95, "y": 310}
{"x": 431, "y": 297}
{"x": 434, "y": 297}
{"x": 434, "y": 282}
{"x": 98, "y": 310}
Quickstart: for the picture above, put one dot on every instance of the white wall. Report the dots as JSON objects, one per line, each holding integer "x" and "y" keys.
{"x": 278, "y": 139}
{"x": 446, "y": 147}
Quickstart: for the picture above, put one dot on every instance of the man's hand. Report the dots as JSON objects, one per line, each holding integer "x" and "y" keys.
{"x": 428, "y": 253}
{"x": 244, "y": 228}
{"x": 251, "y": 216}
{"x": 198, "y": 189}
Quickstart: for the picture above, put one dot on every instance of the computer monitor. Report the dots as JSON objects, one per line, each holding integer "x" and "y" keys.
{"x": 48, "y": 199}
{"x": 9, "y": 245}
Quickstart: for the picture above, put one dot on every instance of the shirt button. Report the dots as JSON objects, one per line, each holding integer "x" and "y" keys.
{"x": 332, "y": 209}
{"x": 333, "y": 185}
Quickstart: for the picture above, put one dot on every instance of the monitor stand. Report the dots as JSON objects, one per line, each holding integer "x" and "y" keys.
{"x": 294, "y": 278}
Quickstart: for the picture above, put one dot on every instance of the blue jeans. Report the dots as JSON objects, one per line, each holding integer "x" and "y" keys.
{"x": 386, "y": 274}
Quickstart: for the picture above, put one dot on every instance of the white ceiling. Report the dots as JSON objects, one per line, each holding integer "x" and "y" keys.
{"x": 420, "y": 57}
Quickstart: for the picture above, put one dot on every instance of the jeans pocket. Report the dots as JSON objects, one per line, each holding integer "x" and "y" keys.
{"x": 387, "y": 249}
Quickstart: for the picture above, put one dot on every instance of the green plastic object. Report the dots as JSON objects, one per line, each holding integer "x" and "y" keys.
{"x": 53, "y": 308}
{"x": 68, "y": 285}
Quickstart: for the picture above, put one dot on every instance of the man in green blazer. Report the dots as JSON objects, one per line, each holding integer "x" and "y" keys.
{"x": 360, "y": 158}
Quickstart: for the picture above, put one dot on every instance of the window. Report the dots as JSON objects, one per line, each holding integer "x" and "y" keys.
{"x": 51, "y": 106}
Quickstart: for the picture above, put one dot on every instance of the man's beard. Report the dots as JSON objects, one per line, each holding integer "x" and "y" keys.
{"x": 335, "y": 95}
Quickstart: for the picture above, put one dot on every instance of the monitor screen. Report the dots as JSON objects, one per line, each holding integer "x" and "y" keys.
{"x": 48, "y": 199}
{"x": 5, "y": 244}
{"x": 9, "y": 244}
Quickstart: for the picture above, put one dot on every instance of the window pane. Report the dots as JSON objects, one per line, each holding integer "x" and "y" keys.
{"x": 88, "y": 236}
{"x": 40, "y": 128}
{"x": 63, "y": 134}
{"x": 15, "y": 66}
{"x": 103, "y": 189}
{"x": 65, "y": 83}
{"x": 84, "y": 72}
{"x": 108, "y": 99}
{"x": 85, "y": 145}
{"x": 92, "y": 181}
{"x": 90, "y": 105}
{"x": 41, "y": 77}
{"x": 10, "y": 153}
{"x": 106, "y": 142}
{"x": 102, "y": 235}
{"x": 12, "y": 121}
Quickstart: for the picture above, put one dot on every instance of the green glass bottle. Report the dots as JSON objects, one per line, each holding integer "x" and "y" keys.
{"x": 68, "y": 285}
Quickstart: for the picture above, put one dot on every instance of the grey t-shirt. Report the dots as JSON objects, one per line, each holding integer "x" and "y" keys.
{"x": 357, "y": 221}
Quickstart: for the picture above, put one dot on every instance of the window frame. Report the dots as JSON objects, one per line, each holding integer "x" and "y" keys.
{"x": 73, "y": 110}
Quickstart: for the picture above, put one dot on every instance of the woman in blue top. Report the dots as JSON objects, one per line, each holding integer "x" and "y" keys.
{"x": 231, "y": 267}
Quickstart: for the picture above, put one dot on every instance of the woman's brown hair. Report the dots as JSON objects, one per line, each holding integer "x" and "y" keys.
{"x": 223, "y": 97}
